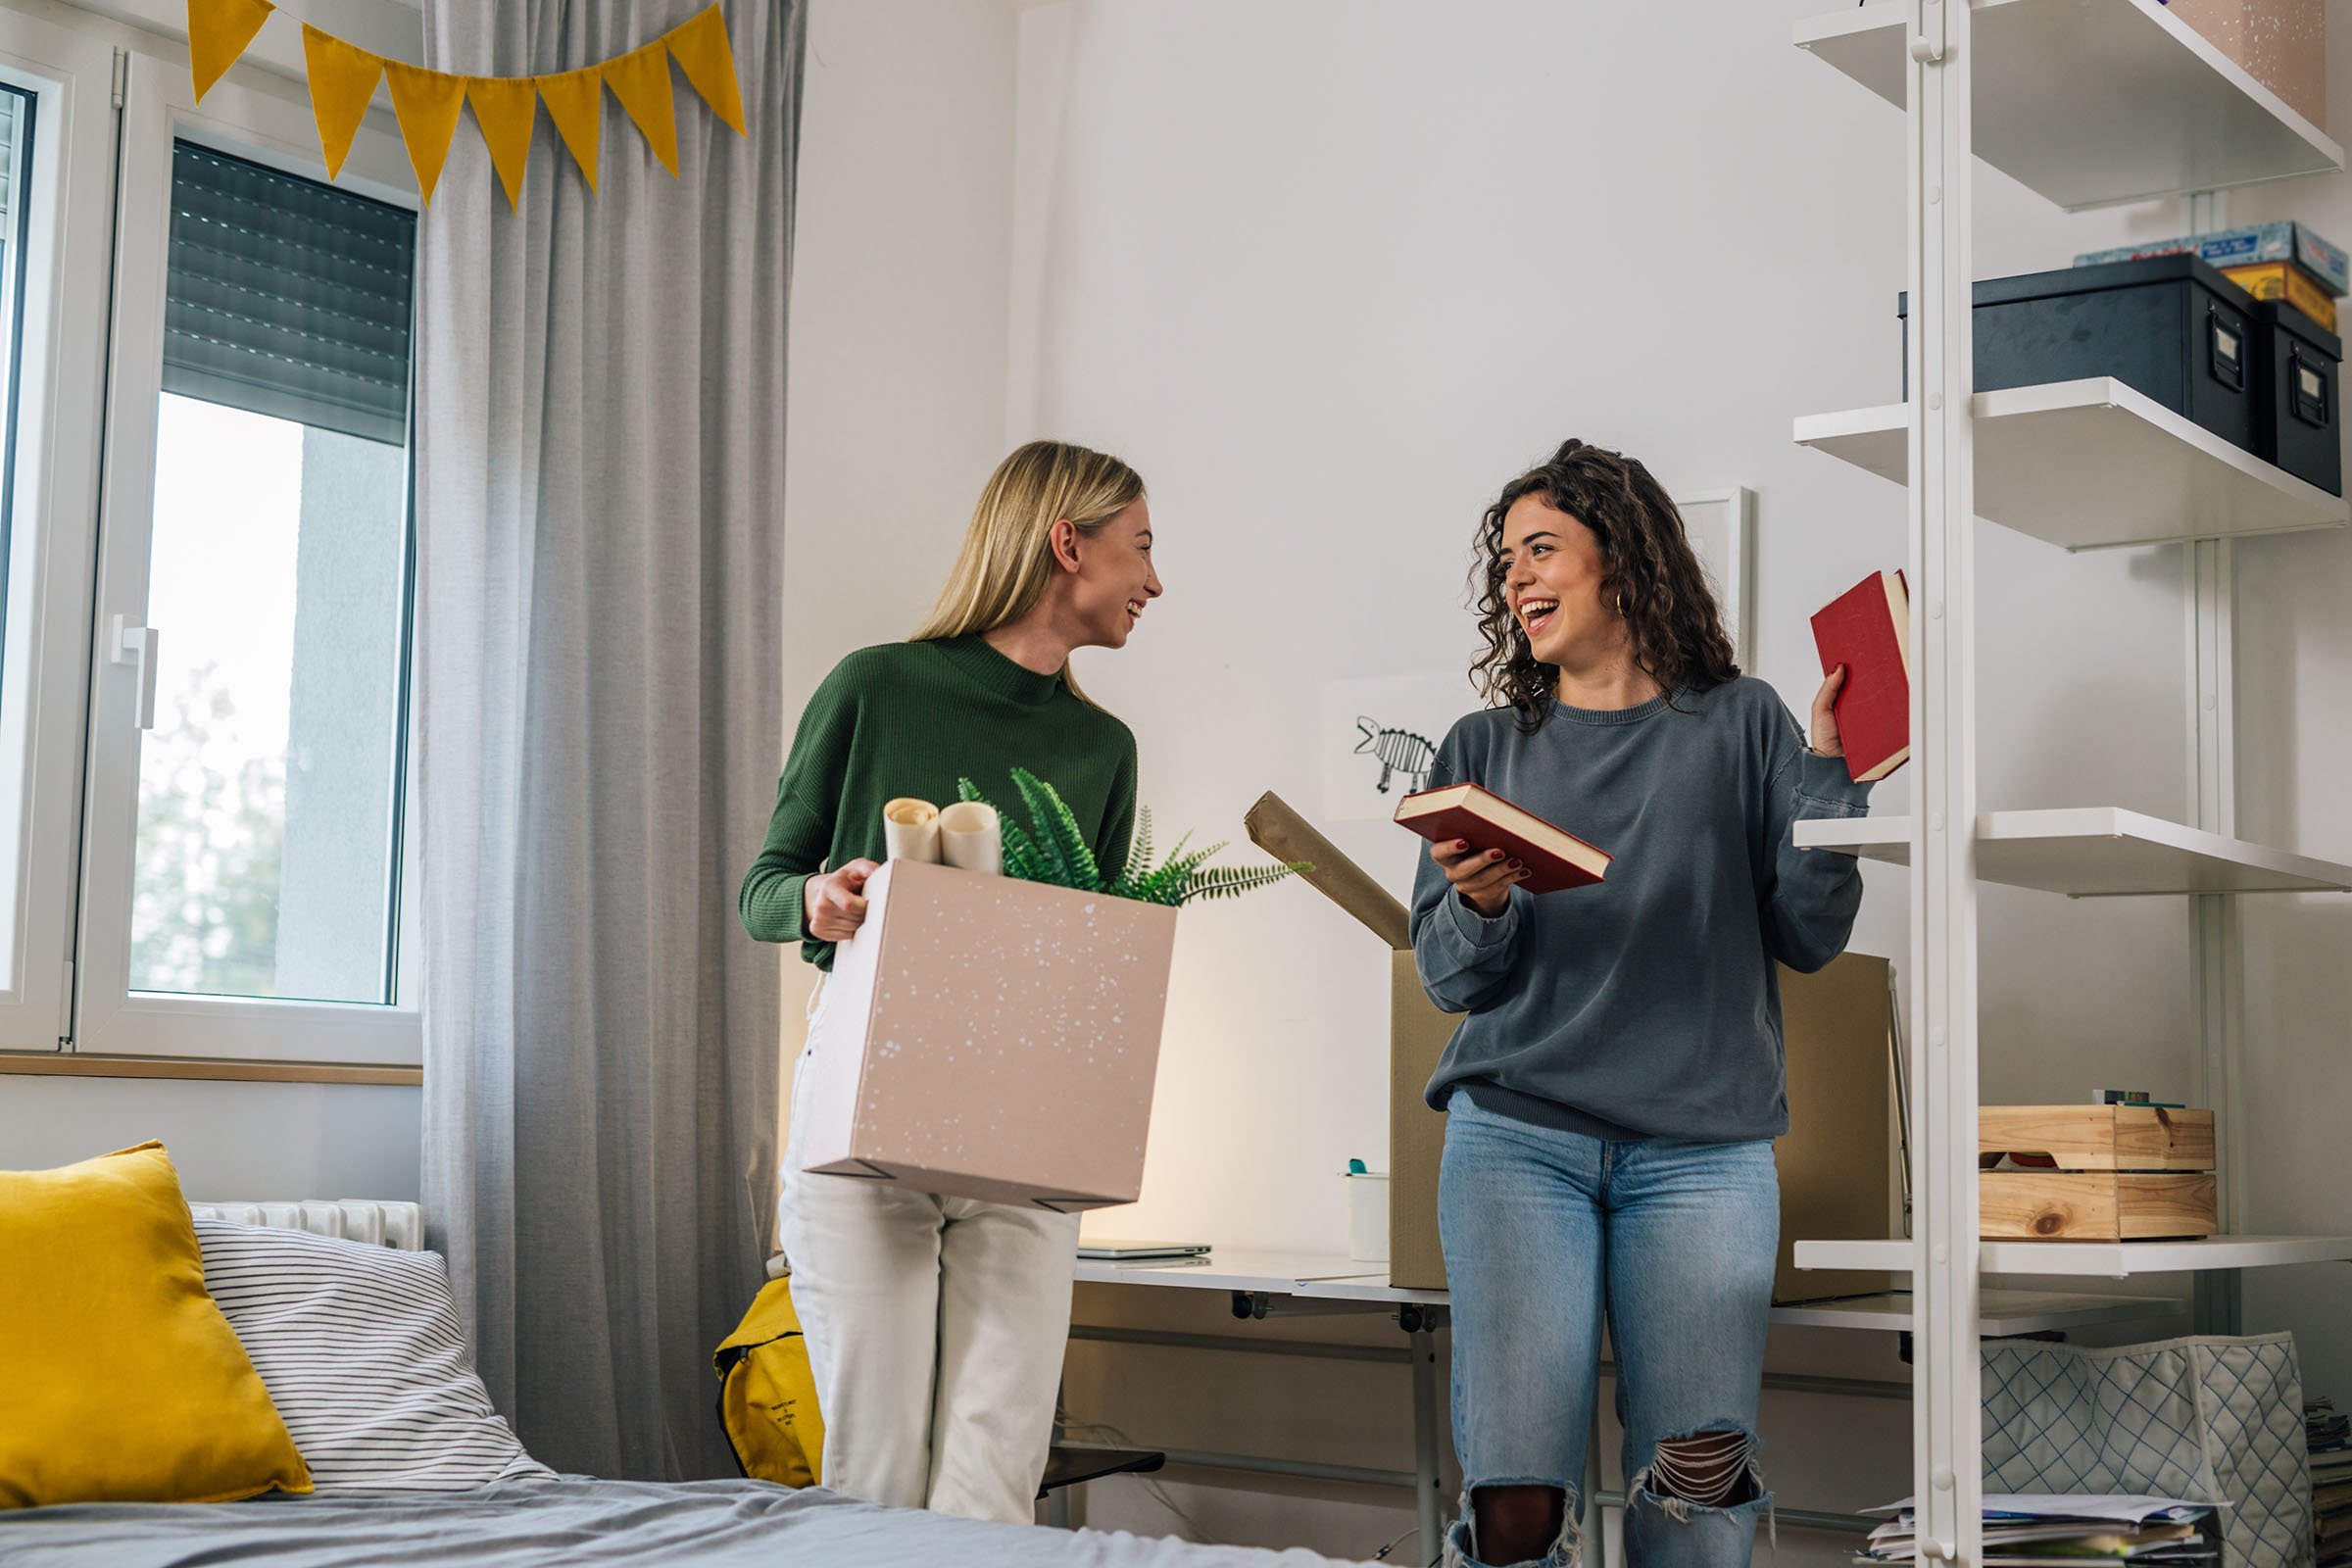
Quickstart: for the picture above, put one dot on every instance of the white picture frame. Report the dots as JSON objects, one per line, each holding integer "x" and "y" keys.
{"x": 1721, "y": 525}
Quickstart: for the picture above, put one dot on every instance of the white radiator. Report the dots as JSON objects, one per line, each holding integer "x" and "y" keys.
{"x": 400, "y": 1226}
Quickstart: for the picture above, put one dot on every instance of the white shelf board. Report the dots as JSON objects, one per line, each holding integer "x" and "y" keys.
{"x": 2084, "y": 1259}
{"x": 2093, "y": 463}
{"x": 2093, "y": 852}
{"x": 2094, "y": 102}
{"x": 2000, "y": 1311}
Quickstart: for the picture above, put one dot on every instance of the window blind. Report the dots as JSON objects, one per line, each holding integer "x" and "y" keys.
{"x": 287, "y": 297}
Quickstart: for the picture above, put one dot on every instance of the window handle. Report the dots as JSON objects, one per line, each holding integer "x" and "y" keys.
{"x": 136, "y": 645}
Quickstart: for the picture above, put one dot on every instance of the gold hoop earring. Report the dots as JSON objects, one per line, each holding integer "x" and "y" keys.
{"x": 1621, "y": 606}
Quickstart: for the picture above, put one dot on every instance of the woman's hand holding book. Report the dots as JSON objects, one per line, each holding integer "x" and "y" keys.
{"x": 1483, "y": 877}
{"x": 1825, "y": 739}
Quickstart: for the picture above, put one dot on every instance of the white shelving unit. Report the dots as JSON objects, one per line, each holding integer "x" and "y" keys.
{"x": 2093, "y": 852}
{"x": 2001, "y": 1312}
{"x": 2085, "y": 1260}
{"x": 2094, "y": 102}
{"x": 2092, "y": 464}
{"x": 2090, "y": 103}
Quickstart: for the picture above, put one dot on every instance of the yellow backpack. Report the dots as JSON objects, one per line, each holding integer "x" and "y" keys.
{"x": 766, "y": 1393}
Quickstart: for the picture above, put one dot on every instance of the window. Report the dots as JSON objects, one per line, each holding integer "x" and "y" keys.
{"x": 56, "y": 117}
{"x": 268, "y": 800}
{"x": 17, "y": 107}
{"x": 18, "y": 110}
{"x": 248, "y": 758}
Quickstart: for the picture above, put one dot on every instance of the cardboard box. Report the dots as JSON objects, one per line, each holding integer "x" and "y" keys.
{"x": 2282, "y": 44}
{"x": 1417, "y": 1034}
{"x": 1838, "y": 1177}
{"x": 2323, "y": 260}
{"x": 2284, "y": 281}
{"x": 1838, "y": 1168}
{"x": 989, "y": 1037}
{"x": 1417, "y": 1037}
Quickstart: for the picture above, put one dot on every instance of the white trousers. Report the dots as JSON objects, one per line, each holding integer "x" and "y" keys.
{"x": 935, "y": 1328}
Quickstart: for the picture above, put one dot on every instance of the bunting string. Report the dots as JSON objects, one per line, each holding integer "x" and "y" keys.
{"x": 428, "y": 104}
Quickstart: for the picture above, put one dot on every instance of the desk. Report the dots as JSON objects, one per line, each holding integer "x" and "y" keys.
{"x": 1297, "y": 1283}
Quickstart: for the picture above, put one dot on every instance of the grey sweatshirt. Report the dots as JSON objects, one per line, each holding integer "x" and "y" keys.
{"x": 1646, "y": 1005}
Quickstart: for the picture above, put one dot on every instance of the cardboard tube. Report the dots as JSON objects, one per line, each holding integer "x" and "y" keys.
{"x": 910, "y": 830}
{"x": 1284, "y": 834}
{"x": 972, "y": 838}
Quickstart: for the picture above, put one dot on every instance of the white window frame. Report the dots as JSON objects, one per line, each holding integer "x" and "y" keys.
{"x": 61, "y": 389}
{"x": 253, "y": 116}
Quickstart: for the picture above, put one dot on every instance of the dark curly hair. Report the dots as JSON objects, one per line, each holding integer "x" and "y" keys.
{"x": 1651, "y": 575}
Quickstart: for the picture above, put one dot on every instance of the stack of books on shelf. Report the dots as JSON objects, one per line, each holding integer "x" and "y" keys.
{"x": 2329, "y": 1438}
{"x": 2066, "y": 1530}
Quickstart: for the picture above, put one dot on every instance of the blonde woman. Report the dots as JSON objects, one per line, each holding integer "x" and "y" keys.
{"x": 936, "y": 1325}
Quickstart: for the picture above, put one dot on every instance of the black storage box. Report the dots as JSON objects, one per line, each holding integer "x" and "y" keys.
{"x": 2170, "y": 326}
{"x": 2295, "y": 362}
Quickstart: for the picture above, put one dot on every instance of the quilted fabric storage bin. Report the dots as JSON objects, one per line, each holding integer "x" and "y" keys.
{"x": 2209, "y": 1418}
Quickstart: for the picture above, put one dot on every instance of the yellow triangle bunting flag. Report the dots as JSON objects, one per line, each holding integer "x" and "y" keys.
{"x": 701, "y": 50}
{"x": 506, "y": 108}
{"x": 428, "y": 103}
{"x": 576, "y": 102}
{"x": 219, "y": 31}
{"x": 640, "y": 79}
{"x": 343, "y": 80}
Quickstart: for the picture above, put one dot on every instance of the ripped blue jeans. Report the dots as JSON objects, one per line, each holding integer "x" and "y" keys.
{"x": 1547, "y": 1233}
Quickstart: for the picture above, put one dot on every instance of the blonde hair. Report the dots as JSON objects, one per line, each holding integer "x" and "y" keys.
{"x": 1006, "y": 562}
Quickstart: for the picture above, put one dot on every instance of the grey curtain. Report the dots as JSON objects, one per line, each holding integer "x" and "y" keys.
{"x": 600, "y": 481}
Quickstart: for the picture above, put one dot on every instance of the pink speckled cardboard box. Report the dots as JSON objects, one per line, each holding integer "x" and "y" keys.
{"x": 2282, "y": 43}
{"x": 988, "y": 1037}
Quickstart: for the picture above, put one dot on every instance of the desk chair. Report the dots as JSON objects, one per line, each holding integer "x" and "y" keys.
{"x": 1067, "y": 1467}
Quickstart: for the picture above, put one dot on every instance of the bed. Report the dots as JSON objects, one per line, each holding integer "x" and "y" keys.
{"x": 352, "y": 1327}
{"x": 523, "y": 1524}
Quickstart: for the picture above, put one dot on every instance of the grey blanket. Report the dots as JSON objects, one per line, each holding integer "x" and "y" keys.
{"x": 533, "y": 1524}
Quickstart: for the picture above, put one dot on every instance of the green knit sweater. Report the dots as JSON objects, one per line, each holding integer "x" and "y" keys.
{"x": 911, "y": 718}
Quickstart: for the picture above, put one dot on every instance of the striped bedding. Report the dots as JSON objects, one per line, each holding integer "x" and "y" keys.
{"x": 362, "y": 1352}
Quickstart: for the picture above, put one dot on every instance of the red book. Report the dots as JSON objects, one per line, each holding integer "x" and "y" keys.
{"x": 1558, "y": 858}
{"x": 1868, "y": 629}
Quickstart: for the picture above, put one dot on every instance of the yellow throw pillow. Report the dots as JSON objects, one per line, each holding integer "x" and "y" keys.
{"x": 120, "y": 1379}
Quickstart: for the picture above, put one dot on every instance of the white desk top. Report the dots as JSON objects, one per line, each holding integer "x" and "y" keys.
{"x": 1327, "y": 1276}
{"x": 1324, "y": 1276}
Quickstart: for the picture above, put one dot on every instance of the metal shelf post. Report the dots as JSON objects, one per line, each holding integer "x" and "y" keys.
{"x": 1947, "y": 1443}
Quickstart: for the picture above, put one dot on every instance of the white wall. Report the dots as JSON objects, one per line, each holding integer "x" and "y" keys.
{"x": 1329, "y": 272}
{"x": 227, "y": 1140}
{"x": 903, "y": 252}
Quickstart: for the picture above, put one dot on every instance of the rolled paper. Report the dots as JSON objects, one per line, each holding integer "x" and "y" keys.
{"x": 972, "y": 838}
{"x": 910, "y": 830}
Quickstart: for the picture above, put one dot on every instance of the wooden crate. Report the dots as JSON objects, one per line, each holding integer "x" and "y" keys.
{"x": 2094, "y": 1206}
{"x": 2084, "y": 1138}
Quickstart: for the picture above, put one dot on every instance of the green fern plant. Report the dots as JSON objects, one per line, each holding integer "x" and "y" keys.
{"x": 1053, "y": 849}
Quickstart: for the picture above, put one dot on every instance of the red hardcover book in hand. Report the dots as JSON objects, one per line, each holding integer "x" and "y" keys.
{"x": 1868, "y": 629}
{"x": 1558, "y": 857}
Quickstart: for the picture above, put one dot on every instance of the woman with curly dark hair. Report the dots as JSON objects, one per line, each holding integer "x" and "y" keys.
{"x": 1614, "y": 1090}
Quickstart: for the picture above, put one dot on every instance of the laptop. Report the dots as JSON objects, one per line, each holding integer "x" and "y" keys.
{"x": 1130, "y": 1252}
